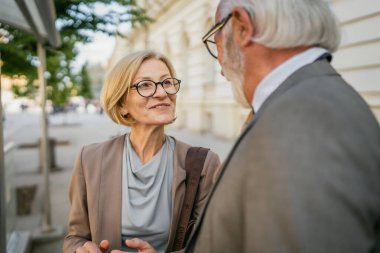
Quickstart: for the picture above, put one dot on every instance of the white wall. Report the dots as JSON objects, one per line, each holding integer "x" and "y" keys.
{"x": 358, "y": 58}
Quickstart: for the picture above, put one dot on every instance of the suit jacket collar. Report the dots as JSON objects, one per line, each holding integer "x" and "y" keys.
{"x": 321, "y": 67}
{"x": 279, "y": 74}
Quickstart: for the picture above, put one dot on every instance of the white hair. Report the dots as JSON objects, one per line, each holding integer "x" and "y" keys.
{"x": 289, "y": 23}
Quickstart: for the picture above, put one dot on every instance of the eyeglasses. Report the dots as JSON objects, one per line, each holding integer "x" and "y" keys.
{"x": 147, "y": 88}
{"x": 209, "y": 43}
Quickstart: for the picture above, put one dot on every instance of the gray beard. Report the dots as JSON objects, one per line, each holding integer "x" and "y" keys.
{"x": 233, "y": 69}
{"x": 236, "y": 80}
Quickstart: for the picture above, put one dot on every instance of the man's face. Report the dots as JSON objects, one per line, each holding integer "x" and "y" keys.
{"x": 231, "y": 60}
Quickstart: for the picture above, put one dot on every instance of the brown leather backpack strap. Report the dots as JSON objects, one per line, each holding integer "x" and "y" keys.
{"x": 195, "y": 159}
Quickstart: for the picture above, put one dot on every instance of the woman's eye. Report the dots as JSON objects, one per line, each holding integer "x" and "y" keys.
{"x": 145, "y": 85}
{"x": 167, "y": 82}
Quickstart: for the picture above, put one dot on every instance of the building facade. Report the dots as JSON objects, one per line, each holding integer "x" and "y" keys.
{"x": 205, "y": 102}
{"x": 358, "y": 57}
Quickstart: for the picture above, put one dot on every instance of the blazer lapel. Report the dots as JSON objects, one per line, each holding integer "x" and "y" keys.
{"x": 110, "y": 193}
{"x": 194, "y": 233}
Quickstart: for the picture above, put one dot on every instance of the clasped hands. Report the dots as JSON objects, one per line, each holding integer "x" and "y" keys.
{"x": 138, "y": 244}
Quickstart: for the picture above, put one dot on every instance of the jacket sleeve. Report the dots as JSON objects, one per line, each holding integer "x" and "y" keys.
{"x": 79, "y": 227}
{"x": 210, "y": 170}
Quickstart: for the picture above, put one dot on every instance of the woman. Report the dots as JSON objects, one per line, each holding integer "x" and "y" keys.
{"x": 133, "y": 185}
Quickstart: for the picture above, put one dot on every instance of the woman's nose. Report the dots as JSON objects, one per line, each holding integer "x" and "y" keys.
{"x": 160, "y": 92}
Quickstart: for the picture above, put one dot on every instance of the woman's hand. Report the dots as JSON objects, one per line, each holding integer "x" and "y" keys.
{"x": 91, "y": 247}
{"x": 138, "y": 244}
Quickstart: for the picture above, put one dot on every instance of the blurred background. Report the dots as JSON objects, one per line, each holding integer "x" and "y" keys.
{"x": 87, "y": 38}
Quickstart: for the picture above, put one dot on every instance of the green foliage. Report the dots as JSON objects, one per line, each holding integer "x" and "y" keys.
{"x": 19, "y": 54}
{"x": 76, "y": 20}
{"x": 75, "y": 15}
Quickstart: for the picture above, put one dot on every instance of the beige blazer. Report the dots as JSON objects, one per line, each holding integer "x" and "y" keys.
{"x": 95, "y": 193}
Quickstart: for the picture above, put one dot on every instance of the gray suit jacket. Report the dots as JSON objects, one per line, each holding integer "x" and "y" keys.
{"x": 304, "y": 176}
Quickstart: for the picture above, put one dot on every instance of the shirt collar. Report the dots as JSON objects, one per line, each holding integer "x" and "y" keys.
{"x": 277, "y": 76}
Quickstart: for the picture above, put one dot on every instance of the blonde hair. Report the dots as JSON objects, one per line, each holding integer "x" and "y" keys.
{"x": 119, "y": 79}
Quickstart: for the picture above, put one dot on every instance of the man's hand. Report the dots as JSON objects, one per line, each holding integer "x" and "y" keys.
{"x": 140, "y": 245}
{"x": 91, "y": 247}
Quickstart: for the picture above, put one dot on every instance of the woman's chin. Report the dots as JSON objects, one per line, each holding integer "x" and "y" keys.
{"x": 162, "y": 121}
{"x": 169, "y": 120}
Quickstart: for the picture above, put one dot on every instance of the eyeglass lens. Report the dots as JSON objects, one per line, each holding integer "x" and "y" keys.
{"x": 211, "y": 46}
{"x": 209, "y": 38}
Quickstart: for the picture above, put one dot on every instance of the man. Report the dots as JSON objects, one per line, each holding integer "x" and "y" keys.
{"x": 304, "y": 176}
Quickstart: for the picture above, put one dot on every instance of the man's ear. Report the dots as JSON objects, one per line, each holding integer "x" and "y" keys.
{"x": 243, "y": 29}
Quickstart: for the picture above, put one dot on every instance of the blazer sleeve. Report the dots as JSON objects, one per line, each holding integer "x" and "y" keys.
{"x": 210, "y": 170}
{"x": 79, "y": 227}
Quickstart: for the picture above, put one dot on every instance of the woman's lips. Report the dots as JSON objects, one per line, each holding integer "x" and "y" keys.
{"x": 158, "y": 106}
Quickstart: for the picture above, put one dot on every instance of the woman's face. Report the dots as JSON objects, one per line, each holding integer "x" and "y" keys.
{"x": 158, "y": 109}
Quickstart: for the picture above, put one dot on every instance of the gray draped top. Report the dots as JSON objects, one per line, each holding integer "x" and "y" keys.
{"x": 146, "y": 195}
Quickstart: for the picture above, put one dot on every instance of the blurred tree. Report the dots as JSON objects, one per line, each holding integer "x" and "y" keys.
{"x": 85, "y": 82}
{"x": 77, "y": 20}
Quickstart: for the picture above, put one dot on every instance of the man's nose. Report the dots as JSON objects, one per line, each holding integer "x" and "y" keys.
{"x": 221, "y": 72}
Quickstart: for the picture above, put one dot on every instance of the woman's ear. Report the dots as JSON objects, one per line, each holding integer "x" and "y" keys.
{"x": 123, "y": 110}
{"x": 242, "y": 27}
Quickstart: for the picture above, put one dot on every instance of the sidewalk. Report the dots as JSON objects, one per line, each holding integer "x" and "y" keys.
{"x": 70, "y": 132}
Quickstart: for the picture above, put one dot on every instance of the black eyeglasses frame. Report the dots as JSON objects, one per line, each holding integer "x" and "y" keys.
{"x": 217, "y": 27}
{"x": 136, "y": 86}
